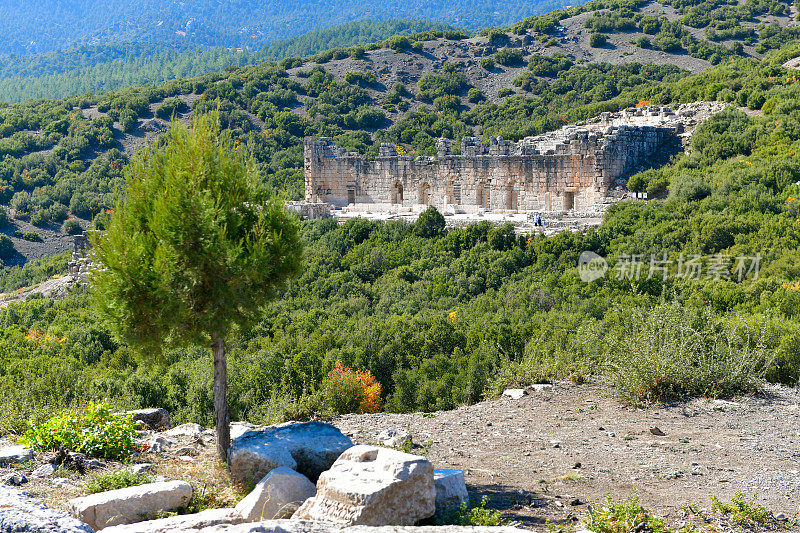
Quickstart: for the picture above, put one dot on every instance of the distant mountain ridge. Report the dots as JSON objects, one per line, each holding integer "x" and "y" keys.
{"x": 48, "y": 25}
{"x": 99, "y": 68}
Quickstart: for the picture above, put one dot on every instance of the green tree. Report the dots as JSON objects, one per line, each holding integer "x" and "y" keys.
{"x": 430, "y": 223}
{"x": 196, "y": 247}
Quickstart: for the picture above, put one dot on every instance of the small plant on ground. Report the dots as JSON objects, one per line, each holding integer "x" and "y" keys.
{"x": 472, "y": 515}
{"x": 206, "y": 498}
{"x": 115, "y": 480}
{"x": 624, "y": 517}
{"x": 351, "y": 391}
{"x": 744, "y": 512}
{"x": 92, "y": 430}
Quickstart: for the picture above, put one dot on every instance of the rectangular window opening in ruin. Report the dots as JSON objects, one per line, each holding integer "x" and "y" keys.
{"x": 487, "y": 192}
{"x": 569, "y": 200}
{"x": 351, "y": 196}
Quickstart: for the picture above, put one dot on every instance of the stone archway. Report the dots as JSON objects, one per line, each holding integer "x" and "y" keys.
{"x": 511, "y": 198}
{"x": 397, "y": 193}
{"x": 423, "y": 193}
{"x": 483, "y": 195}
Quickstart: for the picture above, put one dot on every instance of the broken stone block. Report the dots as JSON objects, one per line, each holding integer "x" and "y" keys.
{"x": 131, "y": 504}
{"x": 276, "y": 496}
{"x": 210, "y": 518}
{"x": 373, "y": 486}
{"x": 451, "y": 490}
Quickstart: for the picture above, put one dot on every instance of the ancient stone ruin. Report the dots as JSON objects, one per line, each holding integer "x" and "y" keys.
{"x": 573, "y": 168}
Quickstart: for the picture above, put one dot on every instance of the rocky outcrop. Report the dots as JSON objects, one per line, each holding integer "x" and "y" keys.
{"x": 373, "y": 486}
{"x": 209, "y": 518}
{"x": 22, "y": 512}
{"x": 451, "y": 490}
{"x": 309, "y": 448}
{"x": 276, "y": 496}
{"x": 131, "y": 504}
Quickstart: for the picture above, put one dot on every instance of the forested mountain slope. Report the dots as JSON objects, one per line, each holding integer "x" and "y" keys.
{"x": 100, "y": 68}
{"x": 31, "y": 27}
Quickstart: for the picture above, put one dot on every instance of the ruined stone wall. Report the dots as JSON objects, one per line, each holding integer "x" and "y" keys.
{"x": 572, "y": 168}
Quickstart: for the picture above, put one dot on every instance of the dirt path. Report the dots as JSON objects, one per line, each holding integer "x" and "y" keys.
{"x": 544, "y": 456}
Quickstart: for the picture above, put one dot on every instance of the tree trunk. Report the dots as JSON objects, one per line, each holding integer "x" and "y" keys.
{"x": 221, "y": 413}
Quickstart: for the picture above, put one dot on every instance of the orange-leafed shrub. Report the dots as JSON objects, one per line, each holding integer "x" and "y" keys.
{"x": 351, "y": 391}
{"x": 643, "y": 103}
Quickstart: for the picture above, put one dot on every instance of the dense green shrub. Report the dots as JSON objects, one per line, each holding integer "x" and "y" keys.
{"x": 6, "y": 247}
{"x": 474, "y": 95}
{"x": 509, "y": 56}
{"x": 714, "y": 361}
{"x": 360, "y": 77}
{"x": 686, "y": 187}
{"x": 71, "y": 226}
{"x": 92, "y": 430}
{"x": 598, "y": 40}
{"x": 487, "y": 63}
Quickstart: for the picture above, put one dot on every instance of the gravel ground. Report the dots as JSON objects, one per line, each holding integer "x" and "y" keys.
{"x": 546, "y": 455}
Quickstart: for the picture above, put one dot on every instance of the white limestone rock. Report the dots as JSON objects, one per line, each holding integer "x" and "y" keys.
{"x": 276, "y": 496}
{"x": 394, "y": 438}
{"x": 451, "y": 490}
{"x": 309, "y": 448}
{"x": 515, "y": 394}
{"x": 15, "y": 454}
{"x": 190, "y": 430}
{"x": 19, "y": 511}
{"x": 210, "y": 518}
{"x": 131, "y": 504}
{"x": 373, "y": 486}
{"x": 47, "y": 469}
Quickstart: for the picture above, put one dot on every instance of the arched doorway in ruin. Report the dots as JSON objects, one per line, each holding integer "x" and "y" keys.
{"x": 423, "y": 193}
{"x": 511, "y": 198}
{"x": 397, "y": 193}
{"x": 483, "y": 195}
{"x": 453, "y": 193}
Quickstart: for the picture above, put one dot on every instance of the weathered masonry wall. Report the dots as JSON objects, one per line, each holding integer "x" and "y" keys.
{"x": 573, "y": 168}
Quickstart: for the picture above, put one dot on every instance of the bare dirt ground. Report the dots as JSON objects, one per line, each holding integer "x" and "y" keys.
{"x": 546, "y": 455}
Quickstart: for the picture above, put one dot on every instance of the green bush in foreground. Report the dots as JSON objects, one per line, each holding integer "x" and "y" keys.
{"x": 469, "y": 515}
{"x": 624, "y": 517}
{"x": 92, "y": 430}
{"x": 115, "y": 480}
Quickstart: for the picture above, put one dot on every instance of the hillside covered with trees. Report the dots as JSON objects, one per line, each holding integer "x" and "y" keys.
{"x": 100, "y": 68}
{"x": 444, "y": 317}
{"x": 52, "y": 25}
